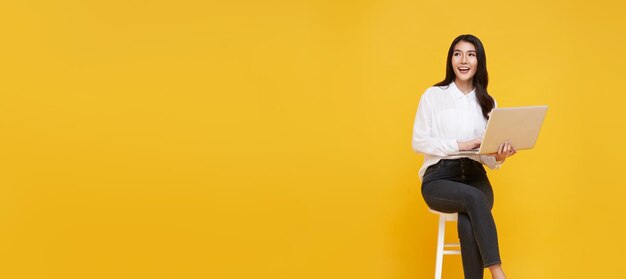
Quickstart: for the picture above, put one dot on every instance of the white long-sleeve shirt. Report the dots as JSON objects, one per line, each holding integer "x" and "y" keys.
{"x": 444, "y": 116}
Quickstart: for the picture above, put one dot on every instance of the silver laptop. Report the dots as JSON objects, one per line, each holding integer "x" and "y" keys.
{"x": 520, "y": 125}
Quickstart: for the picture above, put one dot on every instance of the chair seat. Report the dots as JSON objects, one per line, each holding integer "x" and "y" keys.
{"x": 450, "y": 217}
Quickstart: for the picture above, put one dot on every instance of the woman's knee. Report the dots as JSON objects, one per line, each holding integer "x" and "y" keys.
{"x": 477, "y": 200}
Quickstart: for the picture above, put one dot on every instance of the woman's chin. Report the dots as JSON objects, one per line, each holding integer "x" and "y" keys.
{"x": 464, "y": 77}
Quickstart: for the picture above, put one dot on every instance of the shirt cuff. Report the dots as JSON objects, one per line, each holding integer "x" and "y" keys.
{"x": 490, "y": 161}
{"x": 450, "y": 146}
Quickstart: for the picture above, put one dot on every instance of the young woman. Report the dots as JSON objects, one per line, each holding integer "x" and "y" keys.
{"x": 452, "y": 116}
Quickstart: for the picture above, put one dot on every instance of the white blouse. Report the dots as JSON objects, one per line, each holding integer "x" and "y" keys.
{"x": 445, "y": 115}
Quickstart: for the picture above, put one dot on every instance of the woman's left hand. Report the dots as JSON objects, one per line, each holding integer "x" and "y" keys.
{"x": 504, "y": 151}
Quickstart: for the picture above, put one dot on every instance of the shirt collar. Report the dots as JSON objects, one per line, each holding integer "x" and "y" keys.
{"x": 456, "y": 92}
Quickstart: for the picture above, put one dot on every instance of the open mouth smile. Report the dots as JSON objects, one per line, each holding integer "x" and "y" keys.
{"x": 464, "y": 70}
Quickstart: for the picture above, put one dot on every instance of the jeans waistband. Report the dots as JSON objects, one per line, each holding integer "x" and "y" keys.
{"x": 464, "y": 161}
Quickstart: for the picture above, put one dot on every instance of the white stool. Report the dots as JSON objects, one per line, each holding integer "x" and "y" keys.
{"x": 441, "y": 246}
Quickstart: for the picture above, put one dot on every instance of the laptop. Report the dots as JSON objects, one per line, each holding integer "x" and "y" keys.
{"x": 519, "y": 125}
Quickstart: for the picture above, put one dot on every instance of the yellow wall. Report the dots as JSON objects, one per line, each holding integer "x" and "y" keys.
{"x": 271, "y": 139}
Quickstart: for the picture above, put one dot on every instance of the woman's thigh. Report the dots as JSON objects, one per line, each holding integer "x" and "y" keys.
{"x": 450, "y": 185}
{"x": 451, "y": 196}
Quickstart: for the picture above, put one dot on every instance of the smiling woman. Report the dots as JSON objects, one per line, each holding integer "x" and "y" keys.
{"x": 452, "y": 116}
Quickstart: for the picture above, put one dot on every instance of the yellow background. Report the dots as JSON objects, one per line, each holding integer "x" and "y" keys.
{"x": 271, "y": 139}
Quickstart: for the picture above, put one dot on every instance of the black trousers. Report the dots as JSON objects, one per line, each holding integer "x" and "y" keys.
{"x": 462, "y": 186}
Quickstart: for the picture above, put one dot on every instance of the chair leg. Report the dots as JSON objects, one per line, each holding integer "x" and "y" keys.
{"x": 440, "y": 240}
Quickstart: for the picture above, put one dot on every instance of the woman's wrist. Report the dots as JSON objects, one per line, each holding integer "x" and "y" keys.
{"x": 461, "y": 145}
{"x": 499, "y": 159}
{"x": 468, "y": 145}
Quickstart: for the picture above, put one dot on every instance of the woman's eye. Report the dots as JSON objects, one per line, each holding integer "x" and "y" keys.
{"x": 457, "y": 54}
{"x": 472, "y": 54}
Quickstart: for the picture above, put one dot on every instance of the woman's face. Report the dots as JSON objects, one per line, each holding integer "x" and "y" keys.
{"x": 464, "y": 61}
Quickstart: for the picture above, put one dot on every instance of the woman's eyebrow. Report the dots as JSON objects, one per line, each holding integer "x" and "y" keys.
{"x": 458, "y": 50}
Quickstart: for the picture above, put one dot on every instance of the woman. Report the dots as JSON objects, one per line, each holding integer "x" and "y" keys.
{"x": 451, "y": 117}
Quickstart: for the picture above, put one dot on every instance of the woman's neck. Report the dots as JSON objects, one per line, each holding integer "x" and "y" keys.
{"x": 464, "y": 86}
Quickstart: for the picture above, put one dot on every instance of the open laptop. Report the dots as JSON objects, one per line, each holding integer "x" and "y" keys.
{"x": 519, "y": 125}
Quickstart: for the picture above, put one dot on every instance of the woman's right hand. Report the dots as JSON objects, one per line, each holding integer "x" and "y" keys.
{"x": 470, "y": 144}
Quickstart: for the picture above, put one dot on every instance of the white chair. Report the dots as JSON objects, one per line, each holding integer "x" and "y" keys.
{"x": 441, "y": 245}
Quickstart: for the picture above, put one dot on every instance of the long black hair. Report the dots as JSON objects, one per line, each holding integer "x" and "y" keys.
{"x": 481, "y": 78}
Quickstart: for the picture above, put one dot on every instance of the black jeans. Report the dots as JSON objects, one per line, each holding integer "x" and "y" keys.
{"x": 462, "y": 186}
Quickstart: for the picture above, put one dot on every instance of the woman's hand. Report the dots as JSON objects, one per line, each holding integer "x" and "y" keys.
{"x": 470, "y": 144}
{"x": 504, "y": 151}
